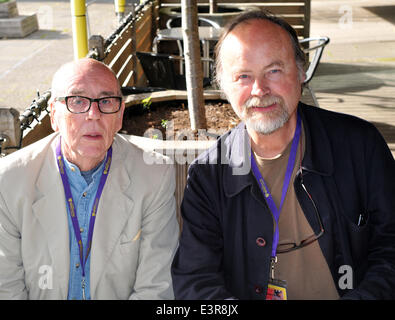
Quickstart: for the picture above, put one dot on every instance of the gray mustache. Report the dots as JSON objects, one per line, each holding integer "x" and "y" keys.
{"x": 261, "y": 102}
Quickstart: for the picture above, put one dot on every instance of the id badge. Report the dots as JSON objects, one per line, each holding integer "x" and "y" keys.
{"x": 276, "y": 290}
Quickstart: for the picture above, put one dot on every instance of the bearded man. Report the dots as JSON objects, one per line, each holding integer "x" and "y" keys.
{"x": 294, "y": 203}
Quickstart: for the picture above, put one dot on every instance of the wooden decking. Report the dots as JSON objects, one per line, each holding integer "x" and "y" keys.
{"x": 356, "y": 74}
{"x": 365, "y": 90}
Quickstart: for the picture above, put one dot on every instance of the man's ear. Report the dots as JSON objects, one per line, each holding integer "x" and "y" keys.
{"x": 52, "y": 110}
{"x": 301, "y": 74}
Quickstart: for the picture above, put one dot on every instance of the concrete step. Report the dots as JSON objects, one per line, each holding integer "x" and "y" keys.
{"x": 19, "y": 26}
{"x": 8, "y": 9}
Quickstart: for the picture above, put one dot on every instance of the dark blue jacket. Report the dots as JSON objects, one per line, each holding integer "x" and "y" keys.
{"x": 350, "y": 173}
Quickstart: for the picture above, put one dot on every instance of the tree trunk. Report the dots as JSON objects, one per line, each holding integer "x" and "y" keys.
{"x": 193, "y": 65}
{"x": 213, "y": 6}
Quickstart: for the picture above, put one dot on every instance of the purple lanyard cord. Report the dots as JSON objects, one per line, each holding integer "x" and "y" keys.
{"x": 287, "y": 179}
{"x": 71, "y": 205}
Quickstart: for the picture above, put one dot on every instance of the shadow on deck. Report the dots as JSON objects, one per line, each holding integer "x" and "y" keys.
{"x": 365, "y": 90}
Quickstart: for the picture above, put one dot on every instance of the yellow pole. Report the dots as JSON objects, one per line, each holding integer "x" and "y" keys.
{"x": 80, "y": 35}
{"x": 120, "y": 6}
{"x": 120, "y": 9}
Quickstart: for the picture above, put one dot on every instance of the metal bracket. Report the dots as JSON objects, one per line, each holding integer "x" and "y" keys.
{"x": 96, "y": 43}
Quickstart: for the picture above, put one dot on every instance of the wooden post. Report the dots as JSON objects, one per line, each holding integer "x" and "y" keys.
{"x": 213, "y": 6}
{"x": 307, "y": 13}
{"x": 134, "y": 45}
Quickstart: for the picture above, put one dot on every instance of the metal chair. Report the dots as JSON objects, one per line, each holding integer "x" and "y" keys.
{"x": 176, "y": 22}
{"x": 318, "y": 49}
{"x": 160, "y": 72}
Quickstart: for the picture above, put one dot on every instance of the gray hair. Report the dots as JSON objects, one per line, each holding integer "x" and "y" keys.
{"x": 300, "y": 57}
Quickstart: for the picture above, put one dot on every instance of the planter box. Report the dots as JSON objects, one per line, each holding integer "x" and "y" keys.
{"x": 180, "y": 153}
{"x": 9, "y": 129}
{"x": 18, "y": 27}
{"x": 8, "y": 9}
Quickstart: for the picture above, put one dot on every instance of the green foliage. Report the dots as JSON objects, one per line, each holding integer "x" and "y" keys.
{"x": 146, "y": 103}
{"x": 163, "y": 123}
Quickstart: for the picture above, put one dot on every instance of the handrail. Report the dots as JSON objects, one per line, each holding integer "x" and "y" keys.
{"x": 32, "y": 113}
{"x": 130, "y": 17}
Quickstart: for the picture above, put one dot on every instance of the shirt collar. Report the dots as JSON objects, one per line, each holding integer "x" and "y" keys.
{"x": 236, "y": 148}
{"x": 75, "y": 174}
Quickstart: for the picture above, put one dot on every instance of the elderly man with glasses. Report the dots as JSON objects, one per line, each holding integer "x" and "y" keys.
{"x": 82, "y": 215}
{"x": 296, "y": 202}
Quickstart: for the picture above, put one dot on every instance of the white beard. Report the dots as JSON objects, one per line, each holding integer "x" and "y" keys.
{"x": 265, "y": 123}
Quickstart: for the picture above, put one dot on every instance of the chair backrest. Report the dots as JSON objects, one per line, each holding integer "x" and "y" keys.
{"x": 176, "y": 22}
{"x": 159, "y": 69}
{"x": 318, "y": 48}
{"x": 295, "y": 12}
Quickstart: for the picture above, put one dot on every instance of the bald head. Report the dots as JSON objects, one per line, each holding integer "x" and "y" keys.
{"x": 83, "y": 67}
{"x": 87, "y": 135}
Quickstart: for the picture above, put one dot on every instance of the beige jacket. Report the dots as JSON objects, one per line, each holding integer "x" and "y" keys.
{"x": 135, "y": 234}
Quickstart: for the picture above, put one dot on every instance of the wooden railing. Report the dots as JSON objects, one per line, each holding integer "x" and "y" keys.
{"x": 137, "y": 35}
{"x": 296, "y": 12}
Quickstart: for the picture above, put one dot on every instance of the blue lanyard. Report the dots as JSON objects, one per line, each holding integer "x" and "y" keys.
{"x": 72, "y": 208}
{"x": 287, "y": 178}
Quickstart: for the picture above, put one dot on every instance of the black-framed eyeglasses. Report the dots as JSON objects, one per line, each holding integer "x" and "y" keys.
{"x": 80, "y": 104}
{"x": 290, "y": 246}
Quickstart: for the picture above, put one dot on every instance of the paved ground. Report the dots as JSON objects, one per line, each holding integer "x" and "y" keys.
{"x": 27, "y": 65}
{"x": 357, "y": 70}
{"x": 356, "y": 74}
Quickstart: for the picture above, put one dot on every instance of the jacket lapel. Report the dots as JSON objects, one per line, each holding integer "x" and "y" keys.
{"x": 114, "y": 210}
{"x": 237, "y": 150}
{"x": 317, "y": 159}
{"x": 50, "y": 210}
{"x": 318, "y": 155}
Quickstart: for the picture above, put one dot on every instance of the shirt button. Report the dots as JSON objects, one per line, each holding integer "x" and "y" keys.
{"x": 258, "y": 289}
{"x": 260, "y": 242}
{"x": 72, "y": 169}
{"x": 84, "y": 194}
{"x": 77, "y": 265}
{"x": 81, "y": 230}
